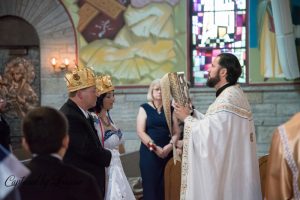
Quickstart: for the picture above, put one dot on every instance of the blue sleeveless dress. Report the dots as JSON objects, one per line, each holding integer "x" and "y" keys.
{"x": 151, "y": 166}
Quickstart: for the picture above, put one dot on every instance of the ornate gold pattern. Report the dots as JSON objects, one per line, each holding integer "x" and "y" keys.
{"x": 233, "y": 100}
{"x": 166, "y": 99}
{"x": 16, "y": 86}
{"x": 173, "y": 83}
{"x": 184, "y": 165}
{"x": 104, "y": 84}
{"x": 179, "y": 87}
{"x": 79, "y": 79}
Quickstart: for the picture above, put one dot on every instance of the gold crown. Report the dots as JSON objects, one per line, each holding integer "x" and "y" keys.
{"x": 80, "y": 79}
{"x": 103, "y": 84}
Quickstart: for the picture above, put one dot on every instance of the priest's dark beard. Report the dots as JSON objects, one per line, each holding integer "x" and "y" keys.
{"x": 211, "y": 82}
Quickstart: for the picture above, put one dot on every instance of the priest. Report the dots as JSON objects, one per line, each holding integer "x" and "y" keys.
{"x": 219, "y": 148}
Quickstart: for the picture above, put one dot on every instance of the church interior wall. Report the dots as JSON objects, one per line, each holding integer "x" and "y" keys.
{"x": 271, "y": 105}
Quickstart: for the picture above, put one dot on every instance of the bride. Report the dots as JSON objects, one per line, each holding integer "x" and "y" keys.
{"x": 111, "y": 138}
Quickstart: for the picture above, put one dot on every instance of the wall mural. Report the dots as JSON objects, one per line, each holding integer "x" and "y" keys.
{"x": 134, "y": 41}
{"x": 139, "y": 40}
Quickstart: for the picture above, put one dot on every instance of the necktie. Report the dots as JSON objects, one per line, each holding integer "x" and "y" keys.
{"x": 91, "y": 121}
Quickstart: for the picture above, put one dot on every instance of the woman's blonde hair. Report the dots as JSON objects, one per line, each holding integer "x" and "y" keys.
{"x": 150, "y": 90}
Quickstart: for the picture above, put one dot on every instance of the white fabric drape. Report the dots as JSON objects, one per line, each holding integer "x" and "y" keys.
{"x": 118, "y": 187}
{"x": 219, "y": 152}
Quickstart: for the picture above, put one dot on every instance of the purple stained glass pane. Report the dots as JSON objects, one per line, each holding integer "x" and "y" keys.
{"x": 238, "y": 37}
{"x": 195, "y": 7}
{"x": 215, "y": 33}
{"x": 239, "y": 20}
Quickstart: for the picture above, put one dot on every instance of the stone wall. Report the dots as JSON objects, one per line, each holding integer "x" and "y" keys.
{"x": 271, "y": 106}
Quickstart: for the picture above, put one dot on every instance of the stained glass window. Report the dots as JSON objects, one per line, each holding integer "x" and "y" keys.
{"x": 217, "y": 26}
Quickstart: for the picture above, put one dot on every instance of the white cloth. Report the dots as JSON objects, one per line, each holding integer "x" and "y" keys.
{"x": 118, "y": 187}
{"x": 12, "y": 172}
{"x": 285, "y": 38}
{"x": 113, "y": 142}
{"x": 117, "y": 184}
{"x": 219, "y": 153}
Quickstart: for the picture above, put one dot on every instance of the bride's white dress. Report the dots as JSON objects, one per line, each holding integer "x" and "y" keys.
{"x": 117, "y": 184}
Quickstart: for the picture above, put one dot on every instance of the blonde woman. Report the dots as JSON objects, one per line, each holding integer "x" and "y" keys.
{"x": 156, "y": 143}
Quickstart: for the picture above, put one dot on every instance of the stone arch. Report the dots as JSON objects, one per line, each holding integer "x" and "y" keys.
{"x": 16, "y": 31}
{"x": 57, "y": 38}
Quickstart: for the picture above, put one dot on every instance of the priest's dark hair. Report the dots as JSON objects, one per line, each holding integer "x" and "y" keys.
{"x": 231, "y": 63}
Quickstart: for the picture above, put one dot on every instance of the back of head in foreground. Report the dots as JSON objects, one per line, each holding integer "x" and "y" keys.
{"x": 44, "y": 130}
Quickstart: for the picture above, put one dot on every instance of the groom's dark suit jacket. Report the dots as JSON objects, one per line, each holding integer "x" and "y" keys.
{"x": 4, "y": 133}
{"x": 51, "y": 179}
{"x": 85, "y": 150}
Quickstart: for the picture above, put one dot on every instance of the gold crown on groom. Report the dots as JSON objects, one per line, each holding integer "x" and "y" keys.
{"x": 80, "y": 78}
{"x": 104, "y": 84}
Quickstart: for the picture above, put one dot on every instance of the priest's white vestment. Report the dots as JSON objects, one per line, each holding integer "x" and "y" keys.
{"x": 219, "y": 151}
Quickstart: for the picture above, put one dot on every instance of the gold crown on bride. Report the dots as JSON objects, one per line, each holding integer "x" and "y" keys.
{"x": 80, "y": 78}
{"x": 104, "y": 84}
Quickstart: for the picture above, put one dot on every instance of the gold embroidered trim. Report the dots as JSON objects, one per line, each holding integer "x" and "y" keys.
{"x": 233, "y": 100}
{"x": 166, "y": 99}
{"x": 185, "y": 161}
{"x": 230, "y": 108}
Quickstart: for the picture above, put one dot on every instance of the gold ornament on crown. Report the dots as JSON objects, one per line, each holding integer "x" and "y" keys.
{"x": 104, "y": 84}
{"x": 80, "y": 78}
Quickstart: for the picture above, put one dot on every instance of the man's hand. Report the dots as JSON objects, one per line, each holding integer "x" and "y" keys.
{"x": 178, "y": 151}
{"x": 179, "y": 144}
{"x": 181, "y": 112}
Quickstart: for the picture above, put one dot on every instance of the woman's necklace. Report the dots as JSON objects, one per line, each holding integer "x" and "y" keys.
{"x": 158, "y": 111}
{"x": 105, "y": 121}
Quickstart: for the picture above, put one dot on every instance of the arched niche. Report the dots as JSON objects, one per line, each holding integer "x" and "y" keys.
{"x": 48, "y": 29}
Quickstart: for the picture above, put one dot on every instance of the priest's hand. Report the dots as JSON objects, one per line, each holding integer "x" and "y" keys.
{"x": 179, "y": 144}
{"x": 181, "y": 112}
{"x": 178, "y": 151}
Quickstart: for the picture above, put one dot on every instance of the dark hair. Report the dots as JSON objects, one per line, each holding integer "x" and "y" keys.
{"x": 44, "y": 129}
{"x": 99, "y": 103}
{"x": 233, "y": 66}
